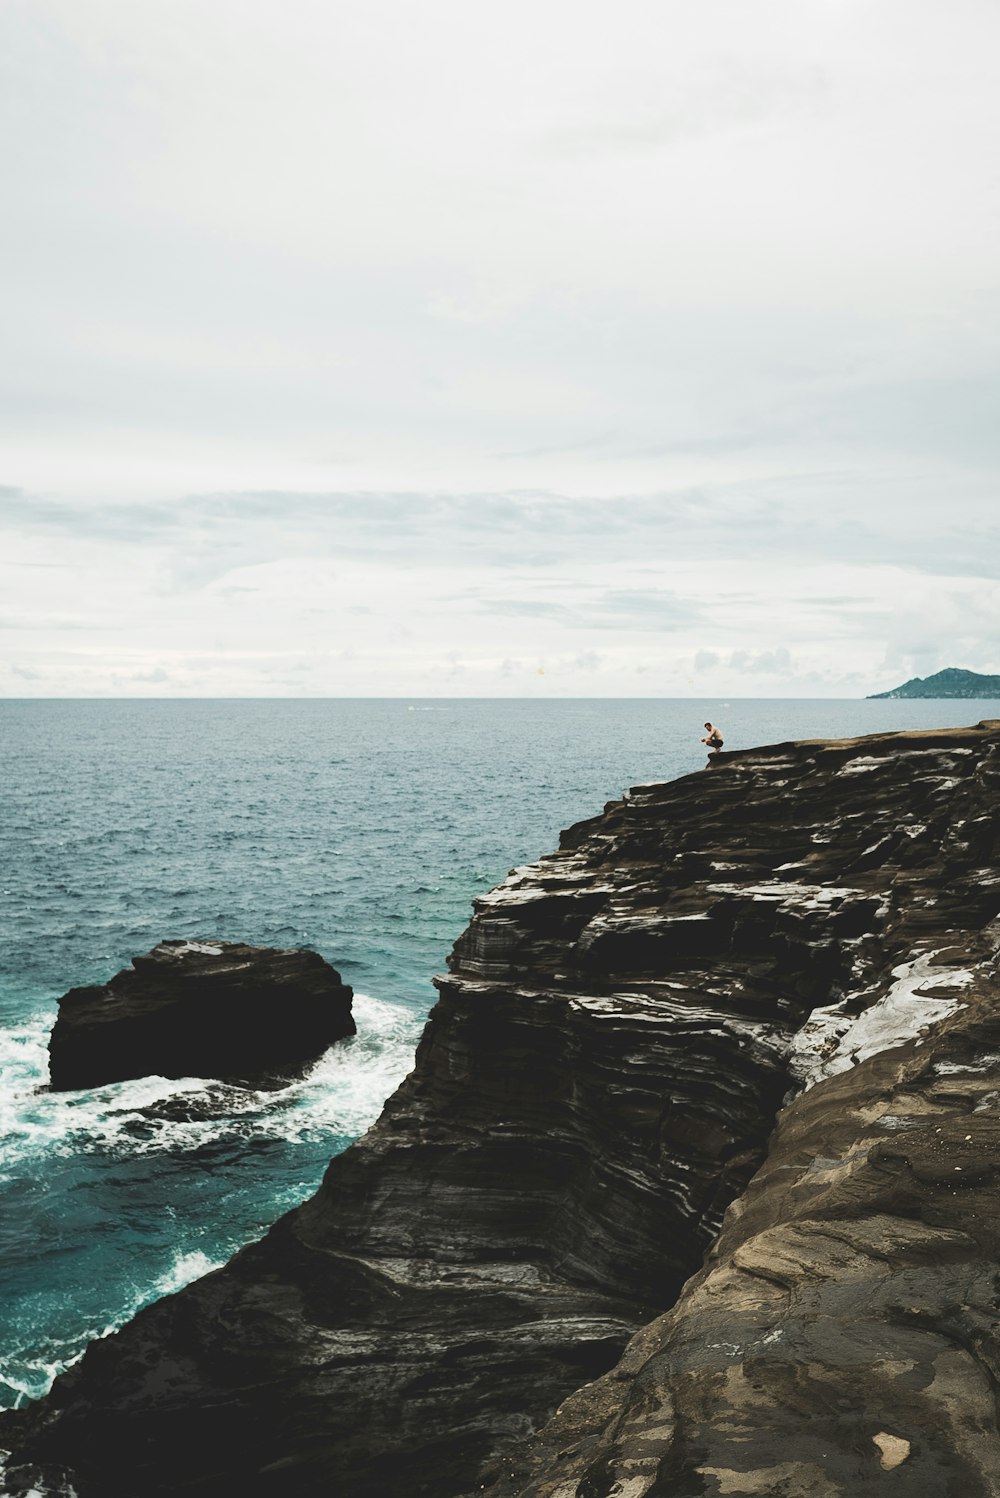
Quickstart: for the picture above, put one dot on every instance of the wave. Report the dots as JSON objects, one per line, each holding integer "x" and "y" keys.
{"x": 340, "y": 1095}
{"x": 201, "y": 1125}
{"x": 29, "y": 1373}
{"x": 42, "y": 1488}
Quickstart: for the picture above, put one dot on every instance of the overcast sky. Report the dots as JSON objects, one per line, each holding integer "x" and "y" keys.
{"x": 369, "y": 347}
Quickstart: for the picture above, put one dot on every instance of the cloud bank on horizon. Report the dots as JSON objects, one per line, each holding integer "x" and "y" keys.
{"x": 556, "y": 349}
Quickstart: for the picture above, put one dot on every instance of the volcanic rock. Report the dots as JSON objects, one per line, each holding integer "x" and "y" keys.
{"x": 201, "y": 1009}
{"x": 847, "y": 1322}
{"x": 811, "y": 924}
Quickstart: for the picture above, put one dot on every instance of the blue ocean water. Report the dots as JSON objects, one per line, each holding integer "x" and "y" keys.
{"x": 360, "y": 828}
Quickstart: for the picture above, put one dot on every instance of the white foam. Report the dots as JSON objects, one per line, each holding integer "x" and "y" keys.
{"x": 342, "y": 1094}
{"x": 833, "y": 1039}
{"x": 63, "y": 1489}
{"x": 185, "y": 1268}
{"x": 31, "y": 1375}
{"x": 338, "y": 1099}
{"x": 346, "y": 1088}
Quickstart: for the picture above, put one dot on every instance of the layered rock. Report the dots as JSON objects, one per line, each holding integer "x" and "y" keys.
{"x": 847, "y": 1323}
{"x": 597, "y": 1083}
{"x": 201, "y": 1009}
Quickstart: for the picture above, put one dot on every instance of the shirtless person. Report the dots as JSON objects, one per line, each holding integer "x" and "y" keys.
{"x": 713, "y": 739}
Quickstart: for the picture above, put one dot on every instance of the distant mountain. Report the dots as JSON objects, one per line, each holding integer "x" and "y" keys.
{"x": 950, "y": 682}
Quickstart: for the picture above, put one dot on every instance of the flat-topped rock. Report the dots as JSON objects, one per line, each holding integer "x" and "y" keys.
{"x": 201, "y": 1009}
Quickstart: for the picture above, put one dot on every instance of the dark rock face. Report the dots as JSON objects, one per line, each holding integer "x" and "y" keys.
{"x": 201, "y": 1009}
{"x": 847, "y": 1323}
{"x": 597, "y": 1083}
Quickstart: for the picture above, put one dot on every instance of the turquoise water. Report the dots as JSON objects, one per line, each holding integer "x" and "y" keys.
{"x": 360, "y": 828}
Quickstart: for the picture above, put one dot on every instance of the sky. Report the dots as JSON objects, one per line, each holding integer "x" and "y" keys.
{"x": 551, "y": 349}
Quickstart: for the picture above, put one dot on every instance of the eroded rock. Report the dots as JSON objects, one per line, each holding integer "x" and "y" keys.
{"x": 201, "y": 1009}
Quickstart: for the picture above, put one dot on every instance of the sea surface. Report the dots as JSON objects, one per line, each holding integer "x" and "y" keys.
{"x": 360, "y": 828}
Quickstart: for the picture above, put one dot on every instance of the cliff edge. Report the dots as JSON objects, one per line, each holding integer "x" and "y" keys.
{"x": 804, "y": 933}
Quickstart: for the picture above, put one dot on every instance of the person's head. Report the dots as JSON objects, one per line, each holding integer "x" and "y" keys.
{"x": 708, "y": 725}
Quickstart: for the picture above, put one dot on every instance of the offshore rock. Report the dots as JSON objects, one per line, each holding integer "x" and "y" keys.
{"x": 599, "y": 1081}
{"x": 201, "y": 1009}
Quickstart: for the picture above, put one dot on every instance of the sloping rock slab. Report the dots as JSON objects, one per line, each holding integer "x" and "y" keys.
{"x": 843, "y": 1339}
{"x": 201, "y": 1009}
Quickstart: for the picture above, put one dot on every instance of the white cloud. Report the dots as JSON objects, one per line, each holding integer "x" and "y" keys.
{"x": 379, "y": 245}
{"x": 765, "y": 663}
{"x": 373, "y": 595}
{"x": 602, "y": 342}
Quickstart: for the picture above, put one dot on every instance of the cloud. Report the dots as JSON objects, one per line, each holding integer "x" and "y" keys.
{"x": 525, "y": 608}
{"x": 765, "y": 663}
{"x": 36, "y": 619}
{"x": 728, "y": 93}
{"x": 222, "y": 592}
{"x": 637, "y": 609}
{"x": 596, "y": 608}
{"x": 696, "y": 268}
{"x": 588, "y": 660}
{"x": 201, "y": 538}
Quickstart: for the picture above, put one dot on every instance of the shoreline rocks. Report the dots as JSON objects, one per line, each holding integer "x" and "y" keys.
{"x": 255, "y": 1015}
{"x": 807, "y": 934}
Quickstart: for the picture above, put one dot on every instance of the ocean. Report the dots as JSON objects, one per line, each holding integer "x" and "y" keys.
{"x": 360, "y": 828}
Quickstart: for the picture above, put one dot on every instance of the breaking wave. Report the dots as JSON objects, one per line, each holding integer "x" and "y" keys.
{"x": 341, "y": 1094}
{"x": 174, "y": 1166}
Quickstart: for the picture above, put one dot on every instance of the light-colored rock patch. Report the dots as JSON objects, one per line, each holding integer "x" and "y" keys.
{"x": 832, "y": 1039}
{"x": 894, "y": 1450}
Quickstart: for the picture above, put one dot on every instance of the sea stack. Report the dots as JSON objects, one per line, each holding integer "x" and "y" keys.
{"x": 201, "y": 1009}
{"x": 751, "y": 1014}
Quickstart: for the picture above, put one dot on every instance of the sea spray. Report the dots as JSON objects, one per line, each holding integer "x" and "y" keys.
{"x": 165, "y": 1136}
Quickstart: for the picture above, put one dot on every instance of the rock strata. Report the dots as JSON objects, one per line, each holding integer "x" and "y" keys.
{"x": 598, "y": 1083}
{"x": 847, "y": 1322}
{"x": 201, "y": 1009}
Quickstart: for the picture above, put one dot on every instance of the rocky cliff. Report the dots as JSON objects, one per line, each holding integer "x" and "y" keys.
{"x": 808, "y": 924}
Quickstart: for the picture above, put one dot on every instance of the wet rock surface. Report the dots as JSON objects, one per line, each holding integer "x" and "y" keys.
{"x": 812, "y": 924}
{"x": 201, "y": 1009}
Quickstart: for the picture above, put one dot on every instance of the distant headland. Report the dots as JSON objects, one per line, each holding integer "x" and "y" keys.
{"x": 951, "y": 682}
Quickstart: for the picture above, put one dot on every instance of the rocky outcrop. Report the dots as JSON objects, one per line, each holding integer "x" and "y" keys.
{"x": 597, "y": 1084}
{"x": 847, "y": 1323}
{"x": 201, "y": 1009}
